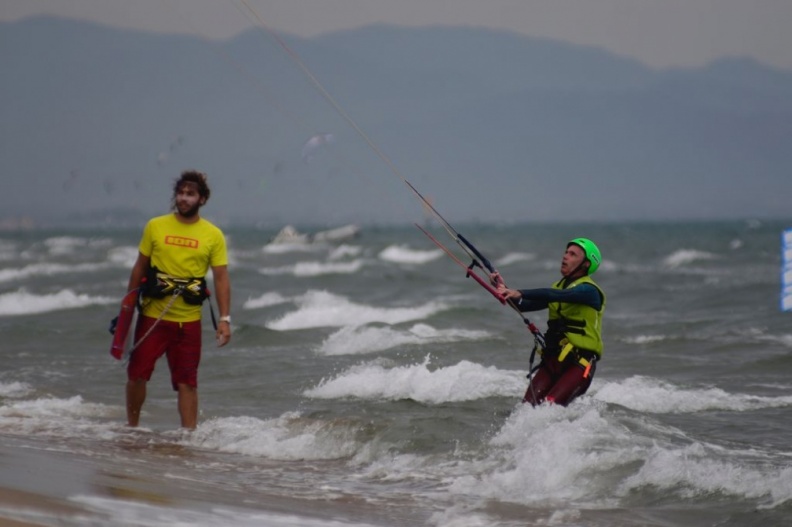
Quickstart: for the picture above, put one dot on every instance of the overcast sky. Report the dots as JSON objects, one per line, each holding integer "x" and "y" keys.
{"x": 660, "y": 33}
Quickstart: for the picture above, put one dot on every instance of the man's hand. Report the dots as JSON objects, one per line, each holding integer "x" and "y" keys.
{"x": 223, "y": 335}
{"x": 496, "y": 280}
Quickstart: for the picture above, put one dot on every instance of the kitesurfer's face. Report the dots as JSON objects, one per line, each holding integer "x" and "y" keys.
{"x": 188, "y": 200}
{"x": 573, "y": 257}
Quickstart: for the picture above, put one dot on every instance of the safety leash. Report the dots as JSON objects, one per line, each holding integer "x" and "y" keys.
{"x": 176, "y": 293}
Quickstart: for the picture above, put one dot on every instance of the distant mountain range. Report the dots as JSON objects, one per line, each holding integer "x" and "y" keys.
{"x": 491, "y": 125}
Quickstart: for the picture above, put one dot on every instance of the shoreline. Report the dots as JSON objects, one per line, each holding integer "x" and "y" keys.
{"x": 19, "y": 508}
{"x": 38, "y": 481}
{"x": 44, "y": 483}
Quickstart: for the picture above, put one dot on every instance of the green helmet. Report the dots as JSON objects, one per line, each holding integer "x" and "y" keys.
{"x": 591, "y": 251}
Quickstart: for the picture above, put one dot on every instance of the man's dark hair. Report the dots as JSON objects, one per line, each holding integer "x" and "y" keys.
{"x": 193, "y": 176}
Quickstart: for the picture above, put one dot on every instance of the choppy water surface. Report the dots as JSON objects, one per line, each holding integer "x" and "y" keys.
{"x": 371, "y": 383}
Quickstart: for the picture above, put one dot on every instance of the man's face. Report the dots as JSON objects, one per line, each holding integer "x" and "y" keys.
{"x": 573, "y": 257}
{"x": 188, "y": 200}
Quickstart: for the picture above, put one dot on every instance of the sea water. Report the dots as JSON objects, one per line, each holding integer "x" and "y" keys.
{"x": 371, "y": 383}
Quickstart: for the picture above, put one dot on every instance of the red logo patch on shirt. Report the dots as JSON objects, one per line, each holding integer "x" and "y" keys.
{"x": 181, "y": 242}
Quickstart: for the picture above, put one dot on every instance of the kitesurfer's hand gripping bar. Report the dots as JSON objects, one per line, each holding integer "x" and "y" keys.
{"x": 469, "y": 270}
{"x": 491, "y": 268}
{"x": 481, "y": 258}
{"x": 478, "y": 260}
{"x": 476, "y": 255}
{"x": 494, "y": 292}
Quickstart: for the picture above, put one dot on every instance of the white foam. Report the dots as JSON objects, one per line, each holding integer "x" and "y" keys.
{"x": 609, "y": 266}
{"x": 785, "y": 339}
{"x": 50, "y": 416}
{"x": 265, "y": 300}
{"x": 64, "y": 243}
{"x": 324, "y": 309}
{"x": 461, "y": 515}
{"x": 343, "y": 251}
{"x": 465, "y": 381}
{"x": 513, "y": 258}
{"x": 14, "y": 389}
{"x": 123, "y": 256}
{"x": 284, "y": 248}
{"x": 303, "y": 269}
{"x": 548, "y": 455}
{"x": 48, "y": 269}
{"x": 321, "y": 268}
{"x": 54, "y": 407}
{"x": 23, "y": 303}
{"x": 404, "y": 255}
{"x": 131, "y": 512}
{"x": 697, "y": 468}
{"x": 551, "y": 456}
{"x": 644, "y": 339}
{"x": 645, "y": 394}
{"x": 288, "y": 437}
{"x": 357, "y": 340}
{"x": 686, "y": 256}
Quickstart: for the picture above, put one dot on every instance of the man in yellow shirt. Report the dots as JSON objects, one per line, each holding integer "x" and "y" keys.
{"x": 175, "y": 253}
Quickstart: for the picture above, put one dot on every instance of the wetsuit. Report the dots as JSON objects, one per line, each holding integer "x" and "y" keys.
{"x": 573, "y": 339}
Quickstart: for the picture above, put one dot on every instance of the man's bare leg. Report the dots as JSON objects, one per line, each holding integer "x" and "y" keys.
{"x": 188, "y": 406}
{"x": 135, "y": 397}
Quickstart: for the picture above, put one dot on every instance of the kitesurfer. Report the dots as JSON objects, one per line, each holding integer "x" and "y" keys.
{"x": 175, "y": 252}
{"x": 573, "y": 341}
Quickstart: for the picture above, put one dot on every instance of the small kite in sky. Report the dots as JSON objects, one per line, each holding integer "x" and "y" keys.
{"x": 313, "y": 144}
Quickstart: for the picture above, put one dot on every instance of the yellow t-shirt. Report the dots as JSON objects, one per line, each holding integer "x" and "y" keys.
{"x": 183, "y": 250}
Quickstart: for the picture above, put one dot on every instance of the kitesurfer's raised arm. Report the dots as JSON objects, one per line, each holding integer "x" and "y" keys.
{"x": 537, "y": 299}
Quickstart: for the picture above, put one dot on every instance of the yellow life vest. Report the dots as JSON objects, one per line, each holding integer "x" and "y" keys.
{"x": 579, "y": 324}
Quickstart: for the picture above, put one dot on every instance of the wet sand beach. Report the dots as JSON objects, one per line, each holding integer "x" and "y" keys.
{"x": 35, "y": 486}
{"x": 45, "y": 484}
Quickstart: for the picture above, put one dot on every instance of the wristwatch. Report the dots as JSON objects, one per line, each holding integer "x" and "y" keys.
{"x": 226, "y": 318}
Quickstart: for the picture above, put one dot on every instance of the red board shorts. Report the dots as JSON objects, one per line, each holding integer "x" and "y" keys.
{"x": 559, "y": 383}
{"x": 180, "y": 341}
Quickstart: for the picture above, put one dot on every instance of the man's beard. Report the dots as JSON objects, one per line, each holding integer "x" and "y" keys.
{"x": 191, "y": 212}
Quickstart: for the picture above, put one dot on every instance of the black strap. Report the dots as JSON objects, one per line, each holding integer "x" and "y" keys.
{"x": 567, "y": 325}
{"x": 157, "y": 284}
{"x": 211, "y": 310}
